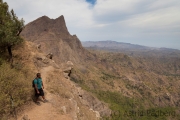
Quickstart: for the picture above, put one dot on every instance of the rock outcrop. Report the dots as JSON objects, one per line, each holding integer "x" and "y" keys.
{"x": 52, "y": 36}
{"x": 67, "y": 69}
{"x": 93, "y": 103}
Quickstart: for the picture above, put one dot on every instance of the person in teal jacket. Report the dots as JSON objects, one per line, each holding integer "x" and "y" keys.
{"x": 39, "y": 88}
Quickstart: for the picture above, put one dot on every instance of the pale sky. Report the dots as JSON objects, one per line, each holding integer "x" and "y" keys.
{"x": 153, "y": 23}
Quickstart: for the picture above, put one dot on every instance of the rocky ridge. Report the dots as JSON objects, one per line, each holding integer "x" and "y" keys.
{"x": 54, "y": 46}
{"x": 52, "y": 36}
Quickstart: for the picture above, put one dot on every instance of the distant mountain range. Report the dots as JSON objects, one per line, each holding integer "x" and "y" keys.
{"x": 128, "y": 48}
{"x": 119, "y": 45}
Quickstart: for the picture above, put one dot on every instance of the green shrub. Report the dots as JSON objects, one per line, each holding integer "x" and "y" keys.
{"x": 12, "y": 83}
{"x": 124, "y": 108}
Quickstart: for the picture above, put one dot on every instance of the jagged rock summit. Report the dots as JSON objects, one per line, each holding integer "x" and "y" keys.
{"x": 45, "y": 25}
{"x": 53, "y": 37}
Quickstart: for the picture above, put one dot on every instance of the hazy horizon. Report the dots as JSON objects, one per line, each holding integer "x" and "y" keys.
{"x": 151, "y": 23}
{"x": 132, "y": 43}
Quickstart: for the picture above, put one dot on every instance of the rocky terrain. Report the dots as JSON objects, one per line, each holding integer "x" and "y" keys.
{"x": 54, "y": 53}
{"x": 52, "y": 36}
{"x": 91, "y": 84}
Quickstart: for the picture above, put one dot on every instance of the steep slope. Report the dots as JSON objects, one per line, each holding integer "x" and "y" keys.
{"x": 45, "y": 25}
{"x": 67, "y": 101}
{"x": 134, "y": 84}
{"x": 46, "y": 111}
{"x": 52, "y": 36}
{"x": 125, "y": 82}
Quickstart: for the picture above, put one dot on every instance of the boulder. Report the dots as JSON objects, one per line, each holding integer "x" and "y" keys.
{"x": 67, "y": 69}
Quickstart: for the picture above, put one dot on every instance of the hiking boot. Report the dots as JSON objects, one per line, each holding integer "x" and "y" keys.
{"x": 45, "y": 101}
{"x": 37, "y": 103}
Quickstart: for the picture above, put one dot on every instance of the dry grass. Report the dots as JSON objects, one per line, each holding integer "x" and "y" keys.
{"x": 57, "y": 85}
{"x": 13, "y": 83}
{"x": 139, "y": 78}
{"x": 16, "y": 81}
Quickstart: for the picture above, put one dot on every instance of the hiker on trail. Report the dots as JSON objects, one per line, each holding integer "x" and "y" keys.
{"x": 38, "y": 87}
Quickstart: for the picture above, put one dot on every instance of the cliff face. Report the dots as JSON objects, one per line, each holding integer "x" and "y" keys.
{"x": 52, "y": 36}
{"x": 44, "y": 25}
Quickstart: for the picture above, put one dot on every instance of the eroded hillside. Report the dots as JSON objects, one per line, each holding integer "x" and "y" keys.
{"x": 67, "y": 100}
{"x": 133, "y": 83}
{"x": 52, "y": 36}
{"x": 100, "y": 84}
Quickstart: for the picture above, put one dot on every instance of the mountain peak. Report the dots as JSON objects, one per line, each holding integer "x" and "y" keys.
{"x": 44, "y": 24}
{"x": 53, "y": 36}
{"x": 46, "y": 17}
{"x": 61, "y": 17}
{"x": 43, "y": 18}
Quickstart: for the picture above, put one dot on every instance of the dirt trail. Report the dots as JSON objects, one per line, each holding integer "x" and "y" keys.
{"x": 46, "y": 111}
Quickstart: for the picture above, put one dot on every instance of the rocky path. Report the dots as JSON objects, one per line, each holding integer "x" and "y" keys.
{"x": 46, "y": 111}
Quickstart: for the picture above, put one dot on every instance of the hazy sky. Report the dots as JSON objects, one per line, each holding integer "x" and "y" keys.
{"x": 146, "y": 22}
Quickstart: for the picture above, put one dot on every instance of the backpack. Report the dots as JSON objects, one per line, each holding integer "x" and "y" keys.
{"x": 33, "y": 85}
